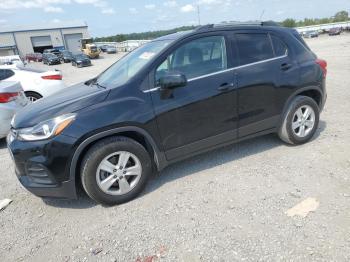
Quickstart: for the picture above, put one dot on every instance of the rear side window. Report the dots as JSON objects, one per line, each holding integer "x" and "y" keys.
{"x": 5, "y": 73}
{"x": 253, "y": 48}
{"x": 279, "y": 46}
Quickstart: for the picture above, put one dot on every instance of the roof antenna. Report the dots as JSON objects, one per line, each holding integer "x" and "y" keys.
{"x": 262, "y": 14}
{"x": 199, "y": 15}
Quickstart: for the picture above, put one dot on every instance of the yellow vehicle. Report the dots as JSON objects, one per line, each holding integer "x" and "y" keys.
{"x": 89, "y": 48}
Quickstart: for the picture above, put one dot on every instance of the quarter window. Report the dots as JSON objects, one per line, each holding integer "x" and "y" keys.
{"x": 196, "y": 58}
{"x": 279, "y": 46}
{"x": 5, "y": 73}
{"x": 253, "y": 48}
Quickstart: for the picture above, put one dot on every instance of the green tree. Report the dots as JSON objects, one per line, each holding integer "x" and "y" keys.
{"x": 341, "y": 16}
{"x": 289, "y": 22}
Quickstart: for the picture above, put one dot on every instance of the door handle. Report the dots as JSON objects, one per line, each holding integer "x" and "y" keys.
{"x": 286, "y": 66}
{"x": 225, "y": 86}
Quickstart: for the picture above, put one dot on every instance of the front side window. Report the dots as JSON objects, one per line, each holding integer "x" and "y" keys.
{"x": 253, "y": 48}
{"x": 196, "y": 58}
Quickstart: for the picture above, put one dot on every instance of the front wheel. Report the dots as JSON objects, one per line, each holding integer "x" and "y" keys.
{"x": 301, "y": 121}
{"x": 115, "y": 170}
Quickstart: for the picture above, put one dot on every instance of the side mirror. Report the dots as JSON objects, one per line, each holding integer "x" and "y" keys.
{"x": 172, "y": 80}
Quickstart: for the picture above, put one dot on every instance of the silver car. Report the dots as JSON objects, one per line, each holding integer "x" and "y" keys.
{"x": 111, "y": 49}
{"x": 12, "y": 99}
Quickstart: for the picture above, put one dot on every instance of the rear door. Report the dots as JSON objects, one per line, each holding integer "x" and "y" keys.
{"x": 258, "y": 77}
{"x": 204, "y": 112}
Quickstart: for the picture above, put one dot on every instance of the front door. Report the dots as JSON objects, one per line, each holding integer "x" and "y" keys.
{"x": 204, "y": 112}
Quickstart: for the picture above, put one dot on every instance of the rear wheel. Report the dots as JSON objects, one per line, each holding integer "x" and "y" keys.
{"x": 33, "y": 96}
{"x": 301, "y": 121}
{"x": 115, "y": 170}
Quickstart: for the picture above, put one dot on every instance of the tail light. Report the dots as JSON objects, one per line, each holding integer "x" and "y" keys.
{"x": 8, "y": 97}
{"x": 323, "y": 64}
{"x": 52, "y": 77}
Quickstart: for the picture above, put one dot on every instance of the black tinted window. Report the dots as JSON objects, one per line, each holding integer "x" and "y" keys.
{"x": 253, "y": 48}
{"x": 196, "y": 58}
{"x": 279, "y": 46}
{"x": 5, "y": 73}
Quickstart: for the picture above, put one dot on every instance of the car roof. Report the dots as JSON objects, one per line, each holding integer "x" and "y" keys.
{"x": 226, "y": 27}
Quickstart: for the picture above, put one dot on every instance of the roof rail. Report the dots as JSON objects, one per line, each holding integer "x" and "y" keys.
{"x": 228, "y": 24}
{"x": 204, "y": 27}
{"x": 253, "y": 23}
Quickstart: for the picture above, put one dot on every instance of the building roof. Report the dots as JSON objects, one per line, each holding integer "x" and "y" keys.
{"x": 46, "y": 26}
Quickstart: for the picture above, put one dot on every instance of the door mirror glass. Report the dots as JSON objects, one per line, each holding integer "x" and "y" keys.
{"x": 172, "y": 80}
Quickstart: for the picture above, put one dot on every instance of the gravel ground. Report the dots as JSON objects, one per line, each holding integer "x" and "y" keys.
{"x": 226, "y": 205}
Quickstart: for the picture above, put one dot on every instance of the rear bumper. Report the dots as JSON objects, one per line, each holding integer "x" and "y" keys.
{"x": 6, "y": 113}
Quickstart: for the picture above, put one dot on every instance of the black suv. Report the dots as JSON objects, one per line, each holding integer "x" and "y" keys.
{"x": 172, "y": 98}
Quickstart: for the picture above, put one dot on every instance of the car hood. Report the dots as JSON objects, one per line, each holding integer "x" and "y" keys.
{"x": 69, "y": 100}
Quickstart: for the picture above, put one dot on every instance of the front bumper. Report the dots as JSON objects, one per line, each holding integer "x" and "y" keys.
{"x": 42, "y": 167}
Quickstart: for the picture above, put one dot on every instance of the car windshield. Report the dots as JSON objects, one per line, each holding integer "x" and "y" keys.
{"x": 128, "y": 66}
{"x": 51, "y": 55}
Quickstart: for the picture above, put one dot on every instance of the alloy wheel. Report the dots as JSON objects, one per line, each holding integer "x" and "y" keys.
{"x": 303, "y": 121}
{"x": 118, "y": 173}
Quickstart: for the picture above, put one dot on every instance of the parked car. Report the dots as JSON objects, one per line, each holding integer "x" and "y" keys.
{"x": 36, "y": 83}
{"x": 52, "y": 51}
{"x": 14, "y": 60}
{"x": 80, "y": 60}
{"x": 51, "y": 59}
{"x": 35, "y": 57}
{"x": 172, "y": 98}
{"x": 12, "y": 99}
{"x": 111, "y": 49}
{"x": 103, "y": 48}
{"x": 334, "y": 31}
{"x": 66, "y": 56}
{"x": 311, "y": 34}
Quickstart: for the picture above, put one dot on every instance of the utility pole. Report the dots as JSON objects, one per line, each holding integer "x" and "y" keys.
{"x": 262, "y": 13}
{"x": 199, "y": 15}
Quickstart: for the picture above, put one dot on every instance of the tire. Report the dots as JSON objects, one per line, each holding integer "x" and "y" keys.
{"x": 92, "y": 173}
{"x": 33, "y": 96}
{"x": 295, "y": 128}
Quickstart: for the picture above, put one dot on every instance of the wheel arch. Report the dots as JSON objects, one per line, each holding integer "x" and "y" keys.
{"x": 313, "y": 92}
{"x": 133, "y": 132}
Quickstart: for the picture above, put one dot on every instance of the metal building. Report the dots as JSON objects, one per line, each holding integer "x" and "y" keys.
{"x": 29, "y": 39}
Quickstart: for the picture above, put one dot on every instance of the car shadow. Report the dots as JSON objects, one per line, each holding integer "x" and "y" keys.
{"x": 219, "y": 157}
{"x": 192, "y": 166}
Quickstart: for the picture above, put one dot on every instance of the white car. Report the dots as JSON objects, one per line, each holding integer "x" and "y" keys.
{"x": 14, "y": 60}
{"x": 12, "y": 99}
{"x": 36, "y": 83}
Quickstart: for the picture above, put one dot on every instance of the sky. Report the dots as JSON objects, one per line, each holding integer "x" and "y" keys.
{"x": 107, "y": 17}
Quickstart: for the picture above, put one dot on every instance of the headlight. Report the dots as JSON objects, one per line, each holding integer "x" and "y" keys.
{"x": 46, "y": 129}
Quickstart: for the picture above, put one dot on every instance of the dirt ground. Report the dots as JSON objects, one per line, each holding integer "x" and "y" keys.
{"x": 226, "y": 205}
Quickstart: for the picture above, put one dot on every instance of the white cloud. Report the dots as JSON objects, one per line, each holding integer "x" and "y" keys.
{"x": 150, "y": 6}
{"x": 108, "y": 11}
{"x": 188, "y": 8}
{"x": 170, "y": 3}
{"x": 53, "y": 9}
{"x": 3, "y": 21}
{"x": 56, "y": 20}
{"x": 50, "y": 6}
{"x": 133, "y": 10}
